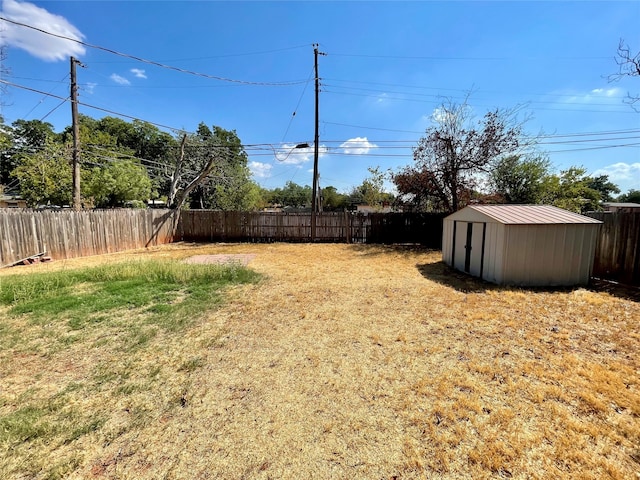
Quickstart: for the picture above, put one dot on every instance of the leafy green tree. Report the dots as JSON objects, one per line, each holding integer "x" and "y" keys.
{"x": 371, "y": 187}
{"x": 519, "y": 180}
{"x": 571, "y": 190}
{"x": 208, "y": 168}
{"x": 110, "y": 177}
{"x": 292, "y": 195}
{"x": 32, "y": 134}
{"x": 23, "y": 138}
{"x": 632, "y": 196}
{"x": 604, "y": 186}
{"x": 212, "y": 164}
{"x": 142, "y": 139}
{"x": 6, "y": 144}
{"x": 371, "y": 191}
{"x": 111, "y": 137}
{"x": 332, "y": 200}
{"x": 45, "y": 175}
{"x": 116, "y": 184}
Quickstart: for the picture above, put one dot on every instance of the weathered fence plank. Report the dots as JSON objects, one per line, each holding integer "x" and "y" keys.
{"x": 617, "y": 254}
{"x": 68, "y": 234}
{"x": 213, "y": 226}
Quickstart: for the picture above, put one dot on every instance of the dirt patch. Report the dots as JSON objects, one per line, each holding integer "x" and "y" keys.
{"x": 221, "y": 259}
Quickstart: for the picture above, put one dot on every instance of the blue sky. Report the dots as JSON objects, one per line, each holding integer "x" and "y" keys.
{"x": 388, "y": 66}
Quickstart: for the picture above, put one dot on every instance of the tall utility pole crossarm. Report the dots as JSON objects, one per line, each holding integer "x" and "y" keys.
{"x": 315, "y": 196}
{"x": 76, "y": 137}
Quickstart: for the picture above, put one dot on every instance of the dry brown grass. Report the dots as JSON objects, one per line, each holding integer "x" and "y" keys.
{"x": 352, "y": 362}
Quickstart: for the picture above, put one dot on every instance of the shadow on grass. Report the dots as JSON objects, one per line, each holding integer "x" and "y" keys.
{"x": 627, "y": 292}
{"x": 442, "y": 273}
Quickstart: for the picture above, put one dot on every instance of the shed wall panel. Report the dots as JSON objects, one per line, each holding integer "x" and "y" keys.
{"x": 447, "y": 241}
{"x": 494, "y": 242}
{"x": 476, "y": 249}
{"x": 460, "y": 241}
{"x": 549, "y": 254}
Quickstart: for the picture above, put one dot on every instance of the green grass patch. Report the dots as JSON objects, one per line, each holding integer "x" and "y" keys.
{"x": 122, "y": 315}
{"x": 167, "y": 294}
{"x": 23, "y": 425}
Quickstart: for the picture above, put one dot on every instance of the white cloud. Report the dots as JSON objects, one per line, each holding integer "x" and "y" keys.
{"x": 291, "y": 155}
{"x": 382, "y": 99}
{"x": 625, "y": 175}
{"x": 90, "y": 87}
{"x": 260, "y": 170}
{"x": 606, "y": 92}
{"x": 357, "y": 146}
{"x": 442, "y": 115}
{"x": 139, "y": 73}
{"x": 120, "y": 80}
{"x": 610, "y": 95}
{"x": 38, "y": 44}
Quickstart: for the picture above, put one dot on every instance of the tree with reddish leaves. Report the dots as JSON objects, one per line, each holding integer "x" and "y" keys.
{"x": 453, "y": 154}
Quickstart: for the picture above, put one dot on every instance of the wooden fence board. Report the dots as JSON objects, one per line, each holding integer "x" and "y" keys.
{"x": 214, "y": 226}
{"x": 68, "y": 234}
{"x": 617, "y": 254}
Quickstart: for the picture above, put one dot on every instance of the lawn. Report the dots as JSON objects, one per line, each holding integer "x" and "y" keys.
{"x": 334, "y": 361}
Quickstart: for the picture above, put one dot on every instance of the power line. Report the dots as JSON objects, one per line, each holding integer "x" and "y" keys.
{"x": 298, "y": 104}
{"x": 422, "y": 87}
{"x": 584, "y": 134}
{"x": 440, "y": 96}
{"x": 436, "y": 102}
{"x": 44, "y": 97}
{"x": 229, "y": 55}
{"x": 372, "y": 128}
{"x": 175, "y": 129}
{"x": 581, "y": 134}
{"x": 595, "y": 148}
{"x": 269, "y": 146}
{"x": 424, "y": 57}
{"x": 11, "y": 84}
{"x": 589, "y": 140}
{"x": 54, "y": 109}
{"x": 151, "y": 62}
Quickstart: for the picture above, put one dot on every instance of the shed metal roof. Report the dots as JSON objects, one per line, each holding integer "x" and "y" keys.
{"x": 531, "y": 214}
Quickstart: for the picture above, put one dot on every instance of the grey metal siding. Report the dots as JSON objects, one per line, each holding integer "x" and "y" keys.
{"x": 447, "y": 241}
{"x": 549, "y": 254}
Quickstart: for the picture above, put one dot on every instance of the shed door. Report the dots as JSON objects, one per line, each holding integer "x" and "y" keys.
{"x": 468, "y": 245}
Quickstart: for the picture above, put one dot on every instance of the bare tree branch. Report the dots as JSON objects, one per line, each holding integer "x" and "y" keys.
{"x": 628, "y": 66}
{"x": 184, "y": 193}
{"x": 177, "y": 173}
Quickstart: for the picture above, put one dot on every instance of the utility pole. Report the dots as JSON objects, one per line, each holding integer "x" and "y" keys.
{"x": 314, "y": 198}
{"x": 76, "y": 136}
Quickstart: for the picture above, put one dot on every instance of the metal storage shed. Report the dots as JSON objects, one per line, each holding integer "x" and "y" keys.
{"x": 532, "y": 245}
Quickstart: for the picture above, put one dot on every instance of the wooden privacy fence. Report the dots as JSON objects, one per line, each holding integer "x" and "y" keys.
{"x": 617, "y": 254}
{"x": 68, "y": 234}
{"x": 214, "y": 226}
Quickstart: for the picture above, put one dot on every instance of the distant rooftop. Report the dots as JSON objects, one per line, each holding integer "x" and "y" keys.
{"x": 621, "y": 205}
{"x": 531, "y": 214}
